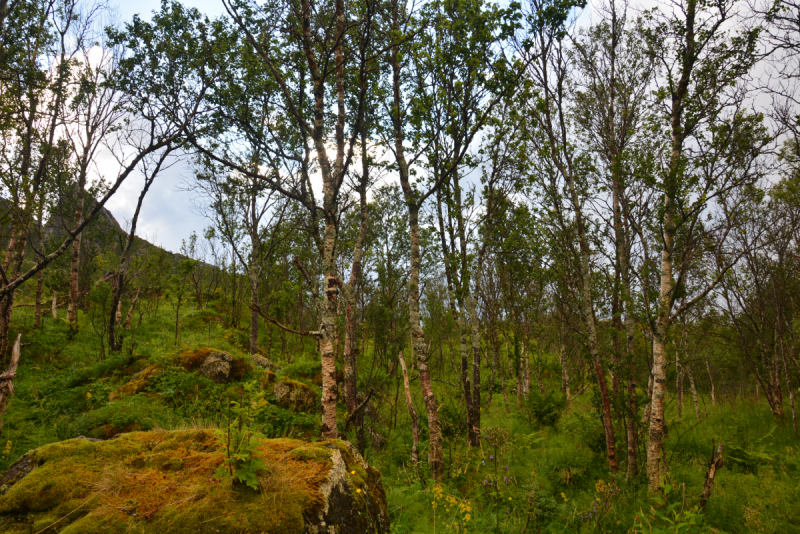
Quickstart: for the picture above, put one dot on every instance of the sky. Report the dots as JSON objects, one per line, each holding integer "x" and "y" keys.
{"x": 168, "y": 213}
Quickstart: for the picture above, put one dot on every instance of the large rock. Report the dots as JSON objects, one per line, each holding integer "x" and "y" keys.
{"x": 216, "y": 366}
{"x": 264, "y": 363}
{"x": 175, "y": 483}
{"x": 295, "y": 395}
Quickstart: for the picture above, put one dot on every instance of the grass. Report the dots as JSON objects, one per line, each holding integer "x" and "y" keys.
{"x": 523, "y": 477}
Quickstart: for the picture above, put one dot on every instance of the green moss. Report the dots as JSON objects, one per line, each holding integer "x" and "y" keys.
{"x": 295, "y": 395}
{"x": 191, "y": 360}
{"x": 41, "y": 525}
{"x": 239, "y": 369}
{"x": 167, "y": 483}
{"x": 266, "y": 379}
{"x": 136, "y": 384}
{"x": 319, "y": 454}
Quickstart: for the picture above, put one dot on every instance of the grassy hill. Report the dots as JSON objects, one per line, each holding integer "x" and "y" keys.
{"x": 524, "y": 477}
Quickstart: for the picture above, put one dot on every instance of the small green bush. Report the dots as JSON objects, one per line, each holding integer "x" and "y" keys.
{"x": 586, "y": 429}
{"x": 544, "y": 410}
{"x": 189, "y": 394}
{"x": 302, "y": 369}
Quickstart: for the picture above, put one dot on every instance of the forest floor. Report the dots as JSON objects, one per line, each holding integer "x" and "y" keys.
{"x": 523, "y": 478}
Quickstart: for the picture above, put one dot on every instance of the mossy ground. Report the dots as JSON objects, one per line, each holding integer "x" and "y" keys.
{"x": 64, "y": 388}
{"x": 164, "y": 482}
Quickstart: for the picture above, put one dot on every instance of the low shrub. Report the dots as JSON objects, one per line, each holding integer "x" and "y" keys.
{"x": 544, "y": 410}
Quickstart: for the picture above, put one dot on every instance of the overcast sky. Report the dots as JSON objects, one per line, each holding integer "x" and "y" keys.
{"x": 167, "y": 215}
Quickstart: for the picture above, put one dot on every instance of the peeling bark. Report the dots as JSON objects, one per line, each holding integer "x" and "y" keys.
{"x": 129, "y": 317}
{"x": 435, "y": 454}
{"x": 412, "y": 412}
{"x": 714, "y": 464}
{"x": 6, "y": 385}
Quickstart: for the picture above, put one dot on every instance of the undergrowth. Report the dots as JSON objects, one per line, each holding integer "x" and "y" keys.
{"x": 540, "y": 468}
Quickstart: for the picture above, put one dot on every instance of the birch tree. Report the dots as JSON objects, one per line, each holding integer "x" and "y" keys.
{"x": 292, "y": 57}
{"x": 565, "y": 177}
{"x": 614, "y": 76}
{"x": 701, "y": 61}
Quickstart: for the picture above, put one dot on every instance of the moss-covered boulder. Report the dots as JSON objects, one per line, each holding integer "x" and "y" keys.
{"x": 136, "y": 384}
{"x": 264, "y": 363}
{"x": 173, "y": 482}
{"x": 213, "y": 364}
{"x": 295, "y": 395}
{"x": 266, "y": 379}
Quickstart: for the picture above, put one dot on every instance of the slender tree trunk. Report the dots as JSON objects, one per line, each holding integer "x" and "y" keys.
{"x": 631, "y": 431}
{"x": 6, "y": 386}
{"x": 658, "y": 422}
{"x": 539, "y": 371}
{"x": 646, "y": 415}
{"x": 518, "y": 368}
{"x": 594, "y": 342}
{"x": 12, "y": 264}
{"x": 119, "y": 282}
{"x": 75, "y": 261}
{"x": 435, "y": 454}
{"x": 564, "y": 370}
{"x": 693, "y": 389}
{"x": 789, "y": 387}
{"x": 37, "y": 314}
{"x": 54, "y": 305}
{"x": 495, "y": 341}
{"x": 412, "y": 412}
{"x": 587, "y": 306}
{"x": 657, "y": 417}
{"x": 679, "y": 382}
{"x": 350, "y": 362}
{"x": 254, "y": 275}
{"x": 503, "y": 379}
{"x": 129, "y": 317}
{"x": 714, "y": 465}
{"x": 526, "y": 375}
{"x": 623, "y": 263}
{"x": 330, "y": 391}
{"x": 349, "y": 294}
{"x": 421, "y": 350}
{"x": 475, "y": 424}
{"x": 711, "y": 381}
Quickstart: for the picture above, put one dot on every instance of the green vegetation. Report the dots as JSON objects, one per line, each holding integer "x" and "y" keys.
{"x": 542, "y": 466}
{"x": 539, "y": 268}
{"x": 154, "y": 482}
